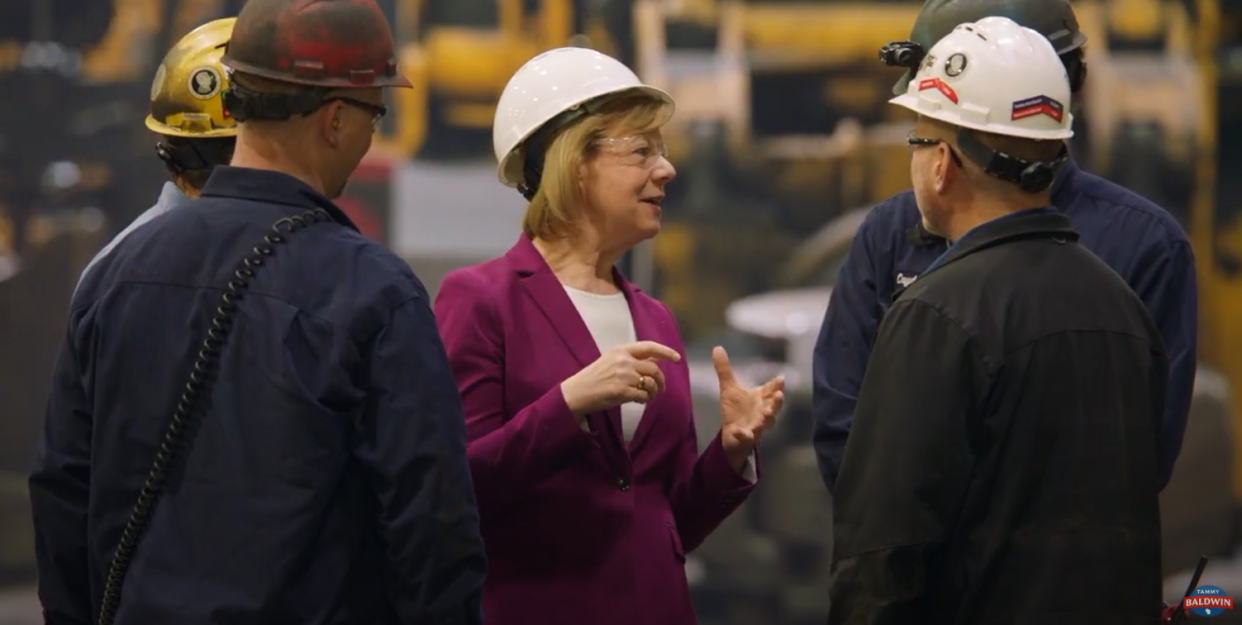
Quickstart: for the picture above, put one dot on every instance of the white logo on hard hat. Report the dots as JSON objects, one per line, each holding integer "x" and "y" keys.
{"x": 205, "y": 83}
{"x": 955, "y": 65}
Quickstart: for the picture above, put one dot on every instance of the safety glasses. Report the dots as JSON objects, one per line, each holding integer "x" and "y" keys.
{"x": 377, "y": 111}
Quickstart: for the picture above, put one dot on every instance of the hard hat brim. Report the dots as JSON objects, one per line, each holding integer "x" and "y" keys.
{"x": 398, "y": 80}
{"x": 912, "y": 103}
{"x": 170, "y": 131}
{"x": 509, "y": 170}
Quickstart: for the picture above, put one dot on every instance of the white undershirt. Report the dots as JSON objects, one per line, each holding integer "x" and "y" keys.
{"x": 609, "y": 320}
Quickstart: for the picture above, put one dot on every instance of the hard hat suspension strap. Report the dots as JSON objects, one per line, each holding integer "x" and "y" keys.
{"x": 182, "y": 155}
{"x": 1031, "y": 176}
{"x": 244, "y": 104}
{"x": 535, "y": 149}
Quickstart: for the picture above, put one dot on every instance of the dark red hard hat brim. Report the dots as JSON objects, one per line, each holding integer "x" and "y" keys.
{"x": 396, "y": 80}
{"x": 321, "y": 43}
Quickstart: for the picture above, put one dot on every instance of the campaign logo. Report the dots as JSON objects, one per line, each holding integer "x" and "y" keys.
{"x": 1208, "y": 601}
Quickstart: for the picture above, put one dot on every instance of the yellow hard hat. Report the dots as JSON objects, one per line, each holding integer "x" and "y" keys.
{"x": 186, "y": 95}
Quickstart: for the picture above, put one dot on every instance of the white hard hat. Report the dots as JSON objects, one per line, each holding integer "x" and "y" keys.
{"x": 995, "y": 76}
{"x": 552, "y": 83}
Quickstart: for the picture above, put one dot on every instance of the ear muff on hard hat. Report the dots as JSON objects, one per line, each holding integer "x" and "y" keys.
{"x": 322, "y": 45}
{"x": 997, "y": 77}
{"x": 546, "y": 94}
{"x": 1054, "y": 19}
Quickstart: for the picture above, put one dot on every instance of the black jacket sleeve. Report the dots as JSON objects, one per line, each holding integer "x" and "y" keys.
{"x": 906, "y": 467}
{"x": 412, "y": 441}
{"x": 59, "y": 493}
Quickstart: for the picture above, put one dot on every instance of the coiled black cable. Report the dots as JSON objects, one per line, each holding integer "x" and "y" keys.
{"x": 201, "y": 378}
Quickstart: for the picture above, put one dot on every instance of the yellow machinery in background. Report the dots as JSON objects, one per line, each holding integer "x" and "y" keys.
{"x": 1165, "y": 83}
{"x": 781, "y": 125}
{"x": 460, "y": 55}
{"x": 1216, "y": 213}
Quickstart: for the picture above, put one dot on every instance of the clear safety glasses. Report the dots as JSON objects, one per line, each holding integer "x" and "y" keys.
{"x": 377, "y": 111}
{"x": 918, "y": 142}
{"x": 636, "y": 150}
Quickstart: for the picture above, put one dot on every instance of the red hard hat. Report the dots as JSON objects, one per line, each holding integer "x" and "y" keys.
{"x": 318, "y": 43}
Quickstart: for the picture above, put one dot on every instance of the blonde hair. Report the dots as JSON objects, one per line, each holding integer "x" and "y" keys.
{"x": 548, "y": 214}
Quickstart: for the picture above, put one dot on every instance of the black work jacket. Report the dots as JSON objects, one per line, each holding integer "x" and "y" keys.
{"x": 1002, "y": 468}
{"x": 326, "y": 479}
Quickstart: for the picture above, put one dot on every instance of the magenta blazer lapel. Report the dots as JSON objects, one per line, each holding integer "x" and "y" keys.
{"x": 549, "y": 295}
{"x": 648, "y": 326}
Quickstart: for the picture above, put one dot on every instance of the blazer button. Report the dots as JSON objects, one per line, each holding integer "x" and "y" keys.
{"x": 623, "y": 484}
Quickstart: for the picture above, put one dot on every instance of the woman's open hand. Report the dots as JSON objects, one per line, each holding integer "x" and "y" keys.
{"x": 744, "y": 412}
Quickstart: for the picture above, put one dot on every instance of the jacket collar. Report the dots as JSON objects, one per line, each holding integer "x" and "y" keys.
{"x": 527, "y": 261}
{"x": 1037, "y": 223}
{"x": 170, "y": 198}
{"x": 1065, "y": 181}
{"x": 271, "y": 187}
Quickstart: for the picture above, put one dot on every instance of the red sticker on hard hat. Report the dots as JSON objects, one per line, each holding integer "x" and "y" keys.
{"x": 939, "y": 85}
{"x": 1038, "y": 105}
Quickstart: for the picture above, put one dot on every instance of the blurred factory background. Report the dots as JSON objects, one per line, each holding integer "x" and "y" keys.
{"x": 783, "y": 139}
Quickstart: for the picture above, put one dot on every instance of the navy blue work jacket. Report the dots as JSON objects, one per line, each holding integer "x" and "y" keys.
{"x": 1140, "y": 241}
{"x": 327, "y": 480}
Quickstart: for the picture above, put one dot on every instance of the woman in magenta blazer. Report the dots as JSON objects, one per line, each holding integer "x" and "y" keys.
{"x": 575, "y": 387}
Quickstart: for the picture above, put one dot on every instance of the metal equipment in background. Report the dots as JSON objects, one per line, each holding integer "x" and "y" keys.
{"x": 460, "y": 54}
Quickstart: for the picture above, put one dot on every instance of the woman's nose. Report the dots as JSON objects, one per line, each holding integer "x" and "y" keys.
{"x": 664, "y": 170}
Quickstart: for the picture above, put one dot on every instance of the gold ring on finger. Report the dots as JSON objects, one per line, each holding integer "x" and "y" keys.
{"x": 642, "y": 382}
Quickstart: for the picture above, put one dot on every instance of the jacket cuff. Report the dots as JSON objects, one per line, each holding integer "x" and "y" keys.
{"x": 558, "y": 423}
{"x": 730, "y": 487}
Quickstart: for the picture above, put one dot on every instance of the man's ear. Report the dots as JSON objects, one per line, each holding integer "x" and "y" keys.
{"x": 330, "y": 121}
{"x": 944, "y": 166}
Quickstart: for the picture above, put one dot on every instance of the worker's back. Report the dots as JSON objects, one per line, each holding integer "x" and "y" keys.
{"x": 1060, "y": 522}
{"x": 295, "y": 503}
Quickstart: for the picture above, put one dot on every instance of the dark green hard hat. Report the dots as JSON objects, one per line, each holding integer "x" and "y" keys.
{"x": 1053, "y": 19}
